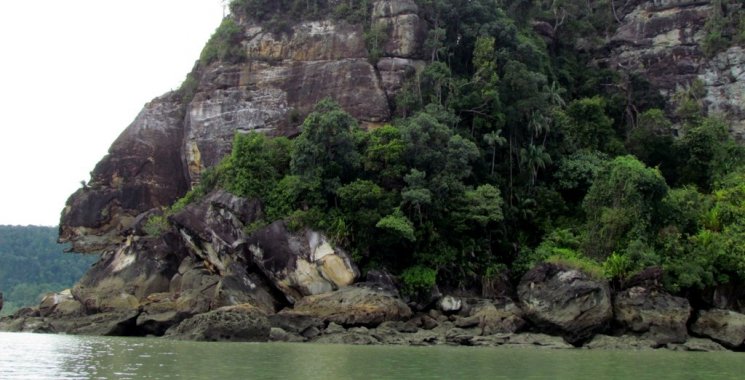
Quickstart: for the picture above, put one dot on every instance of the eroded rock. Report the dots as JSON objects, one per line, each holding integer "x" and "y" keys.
{"x": 565, "y": 301}
{"x": 352, "y": 306}
{"x": 655, "y": 315}
{"x": 300, "y": 264}
{"x": 723, "y": 326}
{"x": 241, "y": 323}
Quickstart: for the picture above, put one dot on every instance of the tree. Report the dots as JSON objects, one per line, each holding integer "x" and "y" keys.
{"x": 621, "y": 205}
{"x": 327, "y": 147}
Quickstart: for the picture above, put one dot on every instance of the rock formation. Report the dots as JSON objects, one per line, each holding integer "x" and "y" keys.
{"x": 662, "y": 40}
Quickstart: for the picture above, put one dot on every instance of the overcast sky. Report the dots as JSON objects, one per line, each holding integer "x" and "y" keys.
{"x": 73, "y": 75}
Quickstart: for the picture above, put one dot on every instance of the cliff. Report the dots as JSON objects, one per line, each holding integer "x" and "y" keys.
{"x": 277, "y": 82}
{"x": 499, "y": 168}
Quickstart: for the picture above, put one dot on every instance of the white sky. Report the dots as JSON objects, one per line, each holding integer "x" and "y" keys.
{"x": 73, "y": 75}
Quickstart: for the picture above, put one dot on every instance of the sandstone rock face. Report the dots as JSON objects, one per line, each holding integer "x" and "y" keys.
{"x": 352, "y": 306}
{"x": 405, "y": 30}
{"x": 662, "y": 40}
{"x": 657, "y": 316}
{"x": 565, "y": 301}
{"x": 178, "y": 136}
{"x": 723, "y": 326}
{"x": 300, "y": 264}
{"x": 241, "y": 323}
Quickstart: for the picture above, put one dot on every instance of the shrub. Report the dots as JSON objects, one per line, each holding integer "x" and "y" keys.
{"x": 418, "y": 280}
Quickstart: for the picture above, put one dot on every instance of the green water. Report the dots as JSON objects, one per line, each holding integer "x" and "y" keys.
{"x": 28, "y": 356}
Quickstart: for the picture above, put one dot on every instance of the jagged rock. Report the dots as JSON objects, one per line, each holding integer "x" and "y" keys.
{"x": 352, "y": 306}
{"x": 565, "y": 301}
{"x": 300, "y": 264}
{"x": 723, "y": 326}
{"x": 381, "y": 279}
{"x": 241, "y": 323}
{"x": 655, "y": 315}
{"x": 625, "y": 342}
{"x": 493, "y": 318}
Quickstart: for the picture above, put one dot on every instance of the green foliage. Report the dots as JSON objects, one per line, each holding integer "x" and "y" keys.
{"x": 32, "y": 264}
{"x": 621, "y": 205}
{"x": 587, "y": 126}
{"x": 224, "y": 45}
{"x": 155, "y": 225}
{"x": 418, "y": 280}
{"x": 398, "y": 225}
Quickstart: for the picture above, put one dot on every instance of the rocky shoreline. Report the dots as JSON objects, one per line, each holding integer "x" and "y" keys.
{"x": 208, "y": 277}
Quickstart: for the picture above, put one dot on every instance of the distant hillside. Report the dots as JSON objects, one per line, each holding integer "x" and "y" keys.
{"x": 32, "y": 263}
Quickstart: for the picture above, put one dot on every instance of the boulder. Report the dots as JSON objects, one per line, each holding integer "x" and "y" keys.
{"x": 723, "y": 326}
{"x": 241, "y": 323}
{"x": 300, "y": 264}
{"x": 565, "y": 301}
{"x": 60, "y": 304}
{"x": 697, "y": 345}
{"x": 352, "y": 306}
{"x": 490, "y": 317}
{"x": 122, "y": 278}
{"x": 653, "y": 314}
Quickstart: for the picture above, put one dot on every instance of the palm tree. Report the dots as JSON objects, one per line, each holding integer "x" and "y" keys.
{"x": 534, "y": 158}
{"x": 494, "y": 139}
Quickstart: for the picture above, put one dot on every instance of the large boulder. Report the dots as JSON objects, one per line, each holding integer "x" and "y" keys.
{"x": 565, "y": 301}
{"x": 302, "y": 263}
{"x": 655, "y": 315}
{"x": 723, "y": 326}
{"x": 352, "y": 306}
{"x": 241, "y": 323}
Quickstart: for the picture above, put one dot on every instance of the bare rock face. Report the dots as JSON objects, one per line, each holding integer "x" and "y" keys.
{"x": 723, "y": 326}
{"x": 493, "y": 317}
{"x": 142, "y": 170}
{"x": 352, "y": 306}
{"x": 405, "y": 30}
{"x": 662, "y": 40}
{"x": 300, "y": 264}
{"x": 565, "y": 301}
{"x": 656, "y": 316}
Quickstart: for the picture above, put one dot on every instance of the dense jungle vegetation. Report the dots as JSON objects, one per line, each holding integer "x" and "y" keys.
{"x": 32, "y": 264}
{"x": 509, "y": 149}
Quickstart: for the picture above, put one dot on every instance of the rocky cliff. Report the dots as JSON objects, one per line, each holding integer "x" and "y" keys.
{"x": 663, "y": 41}
{"x": 210, "y": 268}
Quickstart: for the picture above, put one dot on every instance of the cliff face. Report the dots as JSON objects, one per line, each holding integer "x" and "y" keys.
{"x": 154, "y": 161}
{"x": 663, "y": 40}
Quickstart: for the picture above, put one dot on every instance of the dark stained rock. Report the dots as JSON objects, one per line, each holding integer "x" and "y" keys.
{"x": 241, "y": 323}
{"x": 300, "y": 264}
{"x": 723, "y": 326}
{"x": 143, "y": 170}
{"x": 653, "y": 314}
{"x": 295, "y": 323}
{"x": 649, "y": 278}
{"x": 565, "y": 301}
{"x": 352, "y": 306}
